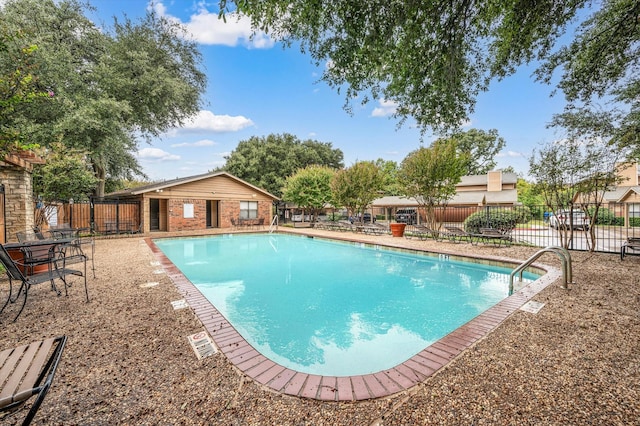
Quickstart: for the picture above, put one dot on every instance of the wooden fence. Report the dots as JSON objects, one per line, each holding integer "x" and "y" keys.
{"x": 100, "y": 215}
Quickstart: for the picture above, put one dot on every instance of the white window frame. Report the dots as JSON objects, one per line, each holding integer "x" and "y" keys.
{"x": 248, "y": 209}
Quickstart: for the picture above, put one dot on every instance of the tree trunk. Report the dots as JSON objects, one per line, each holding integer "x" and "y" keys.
{"x": 101, "y": 175}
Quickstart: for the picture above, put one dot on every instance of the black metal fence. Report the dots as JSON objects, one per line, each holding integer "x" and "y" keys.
{"x": 537, "y": 226}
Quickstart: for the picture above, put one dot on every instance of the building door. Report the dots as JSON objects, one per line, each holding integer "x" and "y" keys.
{"x": 154, "y": 214}
{"x": 212, "y": 214}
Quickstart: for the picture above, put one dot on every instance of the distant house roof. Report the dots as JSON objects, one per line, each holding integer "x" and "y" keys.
{"x": 626, "y": 192}
{"x": 180, "y": 181}
{"x": 475, "y": 198}
{"x": 475, "y": 180}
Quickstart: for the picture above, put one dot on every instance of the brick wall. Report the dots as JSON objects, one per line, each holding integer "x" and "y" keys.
{"x": 230, "y": 209}
{"x": 177, "y": 221}
{"x": 19, "y": 206}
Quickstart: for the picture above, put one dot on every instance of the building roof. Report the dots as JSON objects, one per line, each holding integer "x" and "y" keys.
{"x": 181, "y": 181}
{"x": 625, "y": 192}
{"x": 475, "y": 180}
{"x": 475, "y": 198}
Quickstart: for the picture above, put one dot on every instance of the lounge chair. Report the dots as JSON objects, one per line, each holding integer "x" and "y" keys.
{"x": 632, "y": 244}
{"x": 373, "y": 229}
{"x": 457, "y": 235}
{"x": 56, "y": 269}
{"x": 422, "y": 232}
{"x": 22, "y": 371}
{"x": 495, "y": 236}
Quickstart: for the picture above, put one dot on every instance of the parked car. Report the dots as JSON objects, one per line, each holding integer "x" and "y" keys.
{"x": 408, "y": 216}
{"x": 367, "y": 218}
{"x": 562, "y": 219}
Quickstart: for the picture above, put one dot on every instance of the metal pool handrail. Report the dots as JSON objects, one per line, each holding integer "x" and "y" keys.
{"x": 561, "y": 252}
{"x": 274, "y": 224}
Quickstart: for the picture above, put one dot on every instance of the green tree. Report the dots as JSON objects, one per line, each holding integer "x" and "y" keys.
{"x": 509, "y": 169}
{"x": 481, "y": 147}
{"x": 112, "y": 86}
{"x": 65, "y": 175}
{"x": 357, "y": 186}
{"x": 18, "y": 86}
{"x": 431, "y": 57}
{"x": 390, "y": 185}
{"x": 267, "y": 161}
{"x": 600, "y": 77}
{"x": 430, "y": 175}
{"x": 310, "y": 188}
{"x": 530, "y": 197}
{"x": 574, "y": 175}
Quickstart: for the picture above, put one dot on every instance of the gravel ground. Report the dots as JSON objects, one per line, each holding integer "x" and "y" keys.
{"x": 128, "y": 360}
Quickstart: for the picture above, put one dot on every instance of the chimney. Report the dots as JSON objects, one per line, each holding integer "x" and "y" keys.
{"x": 494, "y": 181}
{"x": 629, "y": 173}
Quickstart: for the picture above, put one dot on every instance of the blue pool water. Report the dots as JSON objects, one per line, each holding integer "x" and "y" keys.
{"x": 333, "y": 308}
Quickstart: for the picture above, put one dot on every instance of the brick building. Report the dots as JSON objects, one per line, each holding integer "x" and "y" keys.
{"x": 16, "y": 177}
{"x": 210, "y": 200}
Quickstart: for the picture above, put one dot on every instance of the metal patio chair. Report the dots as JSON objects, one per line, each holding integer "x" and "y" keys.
{"x": 56, "y": 268}
{"x": 26, "y": 371}
{"x": 632, "y": 244}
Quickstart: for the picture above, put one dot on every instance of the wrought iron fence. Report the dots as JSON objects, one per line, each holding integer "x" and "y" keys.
{"x": 537, "y": 226}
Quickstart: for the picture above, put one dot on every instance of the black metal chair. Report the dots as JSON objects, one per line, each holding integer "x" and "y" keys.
{"x": 632, "y": 244}
{"x": 22, "y": 371}
{"x": 56, "y": 268}
{"x": 74, "y": 251}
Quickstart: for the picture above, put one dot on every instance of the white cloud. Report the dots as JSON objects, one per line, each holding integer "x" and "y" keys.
{"x": 512, "y": 154}
{"x": 203, "y": 142}
{"x": 156, "y": 154}
{"x": 385, "y": 109}
{"x": 206, "y": 120}
{"x": 207, "y": 28}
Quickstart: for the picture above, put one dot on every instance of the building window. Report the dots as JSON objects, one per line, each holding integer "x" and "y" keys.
{"x": 248, "y": 209}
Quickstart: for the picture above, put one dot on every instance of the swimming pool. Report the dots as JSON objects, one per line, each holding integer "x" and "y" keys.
{"x": 332, "y": 308}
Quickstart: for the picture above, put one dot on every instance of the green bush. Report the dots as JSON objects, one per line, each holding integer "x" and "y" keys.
{"x": 605, "y": 216}
{"x": 504, "y": 220}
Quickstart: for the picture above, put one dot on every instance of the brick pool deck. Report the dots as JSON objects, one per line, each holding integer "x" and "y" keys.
{"x": 349, "y": 388}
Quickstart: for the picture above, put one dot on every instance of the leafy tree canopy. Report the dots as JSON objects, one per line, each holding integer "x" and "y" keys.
{"x": 601, "y": 77}
{"x": 357, "y": 186}
{"x": 19, "y": 87}
{"x": 111, "y": 85}
{"x": 431, "y": 58}
{"x": 575, "y": 174}
{"x": 267, "y": 161}
{"x": 310, "y": 188}
{"x": 389, "y": 171}
{"x": 65, "y": 175}
{"x": 481, "y": 148}
{"x": 430, "y": 175}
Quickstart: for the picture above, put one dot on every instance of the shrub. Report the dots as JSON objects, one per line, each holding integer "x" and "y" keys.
{"x": 604, "y": 217}
{"x": 502, "y": 219}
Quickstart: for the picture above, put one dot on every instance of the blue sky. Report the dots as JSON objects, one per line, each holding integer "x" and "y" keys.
{"x": 256, "y": 88}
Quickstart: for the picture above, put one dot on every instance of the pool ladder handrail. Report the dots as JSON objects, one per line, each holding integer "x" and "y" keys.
{"x": 274, "y": 224}
{"x": 561, "y": 252}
